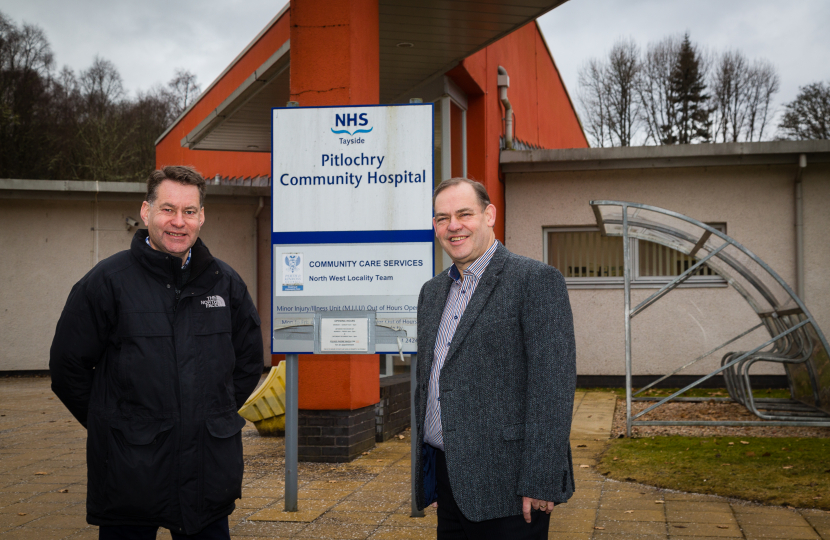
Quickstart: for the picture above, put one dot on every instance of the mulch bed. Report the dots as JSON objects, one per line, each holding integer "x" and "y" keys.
{"x": 707, "y": 410}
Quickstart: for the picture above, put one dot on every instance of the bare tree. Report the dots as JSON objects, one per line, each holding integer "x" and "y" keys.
{"x": 622, "y": 74}
{"x": 103, "y": 134}
{"x": 654, "y": 88}
{"x": 763, "y": 85}
{"x": 184, "y": 90}
{"x": 742, "y": 95}
{"x": 594, "y": 101}
{"x": 608, "y": 95}
{"x": 808, "y": 115}
{"x": 101, "y": 85}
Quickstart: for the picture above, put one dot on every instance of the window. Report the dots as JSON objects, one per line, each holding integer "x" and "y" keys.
{"x": 589, "y": 260}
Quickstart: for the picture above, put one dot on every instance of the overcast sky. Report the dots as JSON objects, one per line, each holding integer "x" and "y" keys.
{"x": 148, "y": 40}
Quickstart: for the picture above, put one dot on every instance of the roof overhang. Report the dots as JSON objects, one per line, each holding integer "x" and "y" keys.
{"x": 668, "y": 156}
{"x": 442, "y": 33}
{"x": 243, "y": 121}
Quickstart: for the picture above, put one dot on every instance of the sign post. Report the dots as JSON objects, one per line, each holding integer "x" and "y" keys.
{"x": 352, "y": 239}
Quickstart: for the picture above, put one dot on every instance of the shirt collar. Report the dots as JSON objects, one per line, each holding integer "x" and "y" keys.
{"x": 479, "y": 265}
{"x": 189, "y": 253}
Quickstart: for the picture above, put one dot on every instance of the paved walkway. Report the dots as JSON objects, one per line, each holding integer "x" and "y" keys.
{"x": 43, "y": 488}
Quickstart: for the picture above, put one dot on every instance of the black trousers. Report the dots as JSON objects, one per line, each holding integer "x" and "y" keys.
{"x": 218, "y": 530}
{"x": 452, "y": 525}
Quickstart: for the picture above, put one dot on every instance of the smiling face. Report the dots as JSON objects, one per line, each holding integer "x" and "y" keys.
{"x": 463, "y": 228}
{"x": 174, "y": 218}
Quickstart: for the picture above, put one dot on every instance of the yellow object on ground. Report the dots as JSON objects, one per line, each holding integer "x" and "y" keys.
{"x": 266, "y": 406}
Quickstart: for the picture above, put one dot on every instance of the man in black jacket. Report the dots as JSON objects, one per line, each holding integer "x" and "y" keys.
{"x": 155, "y": 351}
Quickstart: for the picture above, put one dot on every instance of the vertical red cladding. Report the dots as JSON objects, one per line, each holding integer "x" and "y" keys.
{"x": 335, "y": 52}
{"x": 169, "y": 150}
{"x": 335, "y": 60}
{"x": 543, "y": 114}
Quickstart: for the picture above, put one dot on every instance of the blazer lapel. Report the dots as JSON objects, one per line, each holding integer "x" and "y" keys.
{"x": 485, "y": 287}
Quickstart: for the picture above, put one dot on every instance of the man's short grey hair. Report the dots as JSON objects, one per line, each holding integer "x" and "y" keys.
{"x": 479, "y": 189}
{"x": 187, "y": 176}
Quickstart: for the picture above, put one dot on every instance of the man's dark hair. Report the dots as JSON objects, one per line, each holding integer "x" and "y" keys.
{"x": 480, "y": 190}
{"x": 186, "y": 176}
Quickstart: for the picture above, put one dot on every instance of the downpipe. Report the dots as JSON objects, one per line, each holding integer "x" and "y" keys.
{"x": 504, "y": 83}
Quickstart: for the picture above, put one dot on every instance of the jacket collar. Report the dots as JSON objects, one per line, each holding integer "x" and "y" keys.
{"x": 163, "y": 265}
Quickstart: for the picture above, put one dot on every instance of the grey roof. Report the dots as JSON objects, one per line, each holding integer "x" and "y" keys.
{"x": 653, "y": 157}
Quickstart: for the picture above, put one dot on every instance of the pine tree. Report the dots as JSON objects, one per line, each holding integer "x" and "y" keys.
{"x": 689, "y": 103}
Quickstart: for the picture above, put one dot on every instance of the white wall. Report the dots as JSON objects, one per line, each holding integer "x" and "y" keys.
{"x": 48, "y": 244}
{"x": 756, "y": 203}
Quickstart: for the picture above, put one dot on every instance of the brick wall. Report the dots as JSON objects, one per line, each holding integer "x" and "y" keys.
{"x": 392, "y": 412}
{"x": 335, "y": 436}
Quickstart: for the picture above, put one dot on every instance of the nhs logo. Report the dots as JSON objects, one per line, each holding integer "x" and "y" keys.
{"x": 347, "y": 120}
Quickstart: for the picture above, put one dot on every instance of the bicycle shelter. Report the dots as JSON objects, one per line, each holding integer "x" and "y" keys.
{"x": 795, "y": 340}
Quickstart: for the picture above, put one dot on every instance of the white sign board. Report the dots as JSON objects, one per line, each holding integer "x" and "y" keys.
{"x": 352, "y": 219}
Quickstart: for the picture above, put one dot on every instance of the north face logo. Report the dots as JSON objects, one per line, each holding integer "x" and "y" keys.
{"x": 213, "y": 301}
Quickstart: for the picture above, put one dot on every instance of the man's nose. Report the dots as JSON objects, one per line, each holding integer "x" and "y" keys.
{"x": 178, "y": 220}
{"x": 454, "y": 225}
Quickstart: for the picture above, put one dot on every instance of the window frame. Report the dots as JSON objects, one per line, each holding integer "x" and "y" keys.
{"x": 637, "y": 281}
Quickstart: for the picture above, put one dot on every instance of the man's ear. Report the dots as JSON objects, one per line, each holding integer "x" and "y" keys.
{"x": 145, "y": 213}
{"x": 490, "y": 213}
{"x": 201, "y": 216}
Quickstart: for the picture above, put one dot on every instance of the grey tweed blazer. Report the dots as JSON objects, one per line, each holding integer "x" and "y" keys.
{"x": 507, "y": 387}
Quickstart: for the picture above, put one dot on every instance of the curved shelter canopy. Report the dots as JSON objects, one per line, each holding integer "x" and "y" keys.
{"x": 795, "y": 341}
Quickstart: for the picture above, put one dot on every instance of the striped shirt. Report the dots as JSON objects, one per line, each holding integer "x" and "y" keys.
{"x": 457, "y": 300}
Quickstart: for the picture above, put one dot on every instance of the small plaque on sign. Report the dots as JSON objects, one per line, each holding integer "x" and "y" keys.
{"x": 344, "y": 332}
{"x": 337, "y": 335}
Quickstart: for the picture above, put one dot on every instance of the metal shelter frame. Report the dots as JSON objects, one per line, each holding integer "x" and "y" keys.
{"x": 795, "y": 340}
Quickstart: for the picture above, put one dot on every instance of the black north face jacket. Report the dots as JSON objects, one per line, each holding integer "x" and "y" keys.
{"x": 156, "y": 375}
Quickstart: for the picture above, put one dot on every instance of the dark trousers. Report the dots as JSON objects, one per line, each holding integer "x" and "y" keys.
{"x": 452, "y": 525}
{"x": 218, "y": 530}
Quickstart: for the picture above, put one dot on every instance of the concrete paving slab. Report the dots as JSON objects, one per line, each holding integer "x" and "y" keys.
{"x": 403, "y": 533}
{"x": 713, "y": 530}
{"x": 607, "y": 503}
{"x": 715, "y": 518}
{"x": 790, "y": 533}
{"x": 603, "y": 535}
{"x": 740, "y": 508}
{"x": 279, "y": 514}
{"x": 631, "y": 515}
{"x": 632, "y": 527}
{"x": 698, "y": 506}
{"x": 788, "y": 519}
{"x": 267, "y": 529}
{"x": 345, "y": 531}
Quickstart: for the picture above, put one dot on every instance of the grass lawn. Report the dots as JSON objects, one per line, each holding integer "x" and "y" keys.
{"x": 779, "y": 471}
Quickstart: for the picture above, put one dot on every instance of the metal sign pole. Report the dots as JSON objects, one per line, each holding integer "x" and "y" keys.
{"x": 627, "y": 274}
{"x": 413, "y": 431}
{"x": 291, "y": 421}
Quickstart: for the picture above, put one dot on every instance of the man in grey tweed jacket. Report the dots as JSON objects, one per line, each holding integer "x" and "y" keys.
{"x": 496, "y": 379}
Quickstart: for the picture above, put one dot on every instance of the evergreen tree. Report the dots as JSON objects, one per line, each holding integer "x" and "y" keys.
{"x": 689, "y": 102}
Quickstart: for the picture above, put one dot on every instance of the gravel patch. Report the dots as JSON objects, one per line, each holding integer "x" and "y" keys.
{"x": 706, "y": 410}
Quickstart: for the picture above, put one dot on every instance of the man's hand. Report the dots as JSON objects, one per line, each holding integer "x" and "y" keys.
{"x": 435, "y": 504}
{"x": 536, "y": 504}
